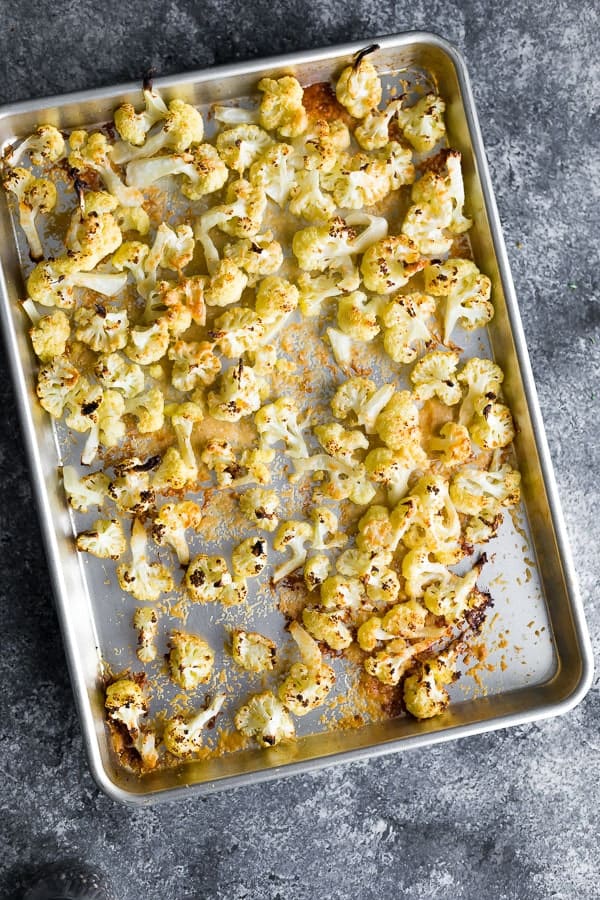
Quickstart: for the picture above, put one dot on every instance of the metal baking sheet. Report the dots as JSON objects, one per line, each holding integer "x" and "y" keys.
{"x": 538, "y": 650}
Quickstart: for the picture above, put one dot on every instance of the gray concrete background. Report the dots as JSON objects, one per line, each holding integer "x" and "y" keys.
{"x": 508, "y": 816}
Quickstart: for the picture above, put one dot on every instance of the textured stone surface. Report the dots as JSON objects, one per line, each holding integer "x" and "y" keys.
{"x": 512, "y": 815}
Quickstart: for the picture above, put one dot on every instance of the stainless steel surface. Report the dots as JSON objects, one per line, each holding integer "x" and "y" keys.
{"x": 538, "y": 600}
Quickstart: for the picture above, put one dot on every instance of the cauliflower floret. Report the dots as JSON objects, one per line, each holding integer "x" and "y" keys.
{"x": 450, "y": 597}
{"x": 191, "y": 660}
{"x": 253, "y": 651}
{"x": 424, "y": 693}
{"x": 101, "y": 413}
{"x": 325, "y": 522}
{"x": 419, "y": 571}
{"x": 323, "y": 143}
{"x": 240, "y": 392}
{"x": 390, "y": 263}
{"x": 372, "y": 569}
{"x": 87, "y": 491}
{"x": 316, "y": 570}
{"x": 343, "y": 594}
{"x": 226, "y": 286}
{"x": 103, "y": 330}
{"x": 359, "y": 396}
{"x": 398, "y": 423}
{"x": 94, "y": 151}
{"x": 148, "y": 345}
{"x": 105, "y": 539}
{"x": 480, "y": 530}
{"x": 45, "y": 145}
{"x": 423, "y": 124}
{"x": 281, "y": 106}
{"x": 265, "y": 718}
{"x": 407, "y": 620}
{"x": 242, "y": 145}
{"x": 435, "y": 376}
{"x": 145, "y": 581}
{"x": 483, "y": 379}
{"x": 181, "y": 126}
{"x": 238, "y": 330}
{"x": 219, "y": 457}
{"x": 453, "y": 445}
{"x": 132, "y": 492}
{"x": 173, "y": 473}
{"x": 51, "y": 282}
{"x": 373, "y": 131}
{"x": 241, "y": 216}
{"x": 357, "y": 316}
{"x": 436, "y": 524}
{"x": 257, "y": 256}
{"x": 145, "y": 622}
{"x": 345, "y": 481}
{"x": 321, "y": 247}
{"x": 206, "y": 577}
{"x": 257, "y": 461}
{"x": 194, "y": 364}
{"x": 358, "y": 181}
{"x": 492, "y": 427}
{"x": 234, "y": 593}
{"x": 313, "y": 292}
{"x": 278, "y": 421}
{"x": 133, "y": 127}
{"x": 49, "y": 336}
{"x": 35, "y": 196}
{"x": 275, "y": 297}
{"x": 359, "y": 88}
{"x": 430, "y": 215}
{"x": 183, "y": 737}
{"x": 327, "y": 626}
{"x": 479, "y": 493}
{"x": 203, "y": 170}
{"x": 307, "y": 199}
{"x": 148, "y": 409}
{"x": 394, "y": 468}
{"x": 275, "y": 172}
{"x": 183, "y": 418}
{"x": 308, "y": 682}
{"x": 173, "y": 249}
{"x": 126, "y": 706}
{"x": 171, "y": 524}
{"x": 389, "y": 665}
{"x": 340, "y": 442}
{"x": 291, "y": 536}
{"x": 259, "y": 506}
{"x": 249, "y": 558}
{"x": 466, "y": 292}
{"x": 112, "y": 371}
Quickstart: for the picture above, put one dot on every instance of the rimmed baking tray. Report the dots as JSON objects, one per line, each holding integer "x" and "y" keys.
{"x": 550, "y": 668}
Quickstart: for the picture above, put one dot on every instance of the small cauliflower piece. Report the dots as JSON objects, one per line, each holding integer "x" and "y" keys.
{"x": 227, "y": 284}
{"x": 45, "y": 145}
{"x": 241, "y": 216}
{"x": 206, "y": 577}
{"x": 327, "y": 626}
{"x": 389, "y": 665}
{"x": 424, "y": 689}
{"x": 240, "y": 392}
{"x": 195, "y": 364}
{"x": 242, "y": 145}
{"x": 191, "y": 660}
{"x": 407, "y": 620}
{"x": 275, "y": 297}
{"x": 291, "y": 536}
{"x": 316, "y": 570}
{"x": 257, "y": 256}
{"x": 394, "y": 468}
{"x": 113, "y": 371}
{"x": 219, "y": 457}
{"x": 84, "y": 492}
{"x": 344, "y": 481}
{"x": 148, "y": 409}
{"x": 359, "y": 396}
{"x": 492, "y": 427}
{"x": 308, "y": 682}
{"x": 94, "y": 151}
{"x": 253, "y": 651}
{"x": 406, "y": 319}
{"x": 332, "y": 245}
{"x": 133, "y": 127}
{"x": 359, "y": 88}
{"x": 50, "y": 335}
{"x": 103, "y": 330}
{"x": 435, "y": 376}
{"x": 171, "y": 524}
{"x": 357, "y": 316}
{"x": 476, "y": 492}
{"x": 235, "y": 593}
{"x": 35, "y": 197}
{"x": 343, "y": 594}
{"x": 184, "y": 416}
{"x": 466, "y": 292}
{"x": 281, "y": 106}
{"x": 173, "y": 474}
{"x": 105, "y": 539}
{"x": 259, "y": 506}
{"x": 398, "y": 423}
{"x": 423, "y": 124}
{"x": 307, "y": 198}
{"x": 372, "y": 569}
{"x": 237, "y": 331}
{"x": 278, "y": 421}
{"x": 453, "y": 444}
{"x": 340, "y": 442}
{"x": 483, "y": 380}
{"x": 275, "y": 172}
{"x": 203, "y": 171}
{"x": 106, "y": 424}
{"x": 149, "y": 344}
{"x": 449, "y": 598}
{"x": 145, "y": 622}
{"x": 184, "y": 737}
{"x": 389, "y": 264}
{"x": 146, "y": 581}
{"x": 126, "y": 705}
{"x": 419, "y": 571}
{"x": 313, "y": 292}
{"x": 325, "y": 522}
{"x": 249, "y": 558}
{"x": 181, "y": 126}
{"x": 132, "y": 492}
{"x": 373, "y": 131}
{"x": 56, "y": 380}
{"x": 265, "y": 718}
{"x": 323, "y": 143}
